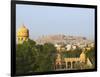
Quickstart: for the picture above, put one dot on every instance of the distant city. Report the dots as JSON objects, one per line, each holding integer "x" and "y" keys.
{"x": 70, "y": 42}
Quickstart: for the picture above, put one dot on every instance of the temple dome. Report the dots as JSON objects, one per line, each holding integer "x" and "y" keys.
{"x": 22, "y": 32}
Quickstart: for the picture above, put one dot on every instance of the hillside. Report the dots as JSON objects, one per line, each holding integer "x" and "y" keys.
{"x": 63, "y": 39}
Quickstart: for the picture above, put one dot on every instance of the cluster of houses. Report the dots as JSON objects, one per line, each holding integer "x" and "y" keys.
{"x": 68, "y": 47}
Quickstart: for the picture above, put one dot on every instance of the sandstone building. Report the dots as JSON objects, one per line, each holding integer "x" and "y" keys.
{"x": 22, "y": 34}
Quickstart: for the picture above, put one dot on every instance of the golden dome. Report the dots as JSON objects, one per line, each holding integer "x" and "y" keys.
{"x": 22, "y": 32}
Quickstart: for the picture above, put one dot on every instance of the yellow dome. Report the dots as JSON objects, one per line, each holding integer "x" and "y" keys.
{"x": 22, "y": 32}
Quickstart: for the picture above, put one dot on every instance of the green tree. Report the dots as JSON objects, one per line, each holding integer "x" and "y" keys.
{"x": 46, "y": 57}
{"x": 91, "y": 55}
{"x": 25, "y": 57}
{"x": 31, "y": 57}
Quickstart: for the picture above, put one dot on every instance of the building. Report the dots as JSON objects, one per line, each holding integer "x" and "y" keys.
{"x": 22, "y": 34}
{"x": 68, "y": 47}
{"x": 72, "y": 61}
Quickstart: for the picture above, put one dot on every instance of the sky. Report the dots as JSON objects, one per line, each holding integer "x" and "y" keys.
{"x": 48, "y": 20}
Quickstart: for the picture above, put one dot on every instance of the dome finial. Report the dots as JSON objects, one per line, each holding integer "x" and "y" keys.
{"x": 23, "y": 25}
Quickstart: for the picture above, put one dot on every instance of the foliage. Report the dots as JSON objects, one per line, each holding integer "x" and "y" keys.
{"x": 91, "y": 55}
{"x": 31, "y": 57}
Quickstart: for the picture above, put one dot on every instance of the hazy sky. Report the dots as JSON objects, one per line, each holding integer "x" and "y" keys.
{"x": 44, "y": 20}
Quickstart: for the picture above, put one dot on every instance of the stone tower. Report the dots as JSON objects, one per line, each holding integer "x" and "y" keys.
{"x": 22, "y": 34}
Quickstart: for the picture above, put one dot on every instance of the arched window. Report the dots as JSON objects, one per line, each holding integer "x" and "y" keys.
{"x": 58, "y": 66}
{"x": 73, "y": 64}
{"x": 77, "y": 65}
{"x": 68, "y": 64}
{"x": 21, "y": 39}
{"x": 63, "y": 65}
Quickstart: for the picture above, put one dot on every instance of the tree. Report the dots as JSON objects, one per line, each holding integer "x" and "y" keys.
{"x": 31, "y": 57}
{"x": 91, "y": 55}
{"x": 46, "y": 57}
{"x": 25, "y": 57}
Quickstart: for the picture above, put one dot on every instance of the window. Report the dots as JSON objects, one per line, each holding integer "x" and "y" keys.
{"x": 63, "y": 65}
{"x": 69, "y": 65}
{"x": 73, "y": 64}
